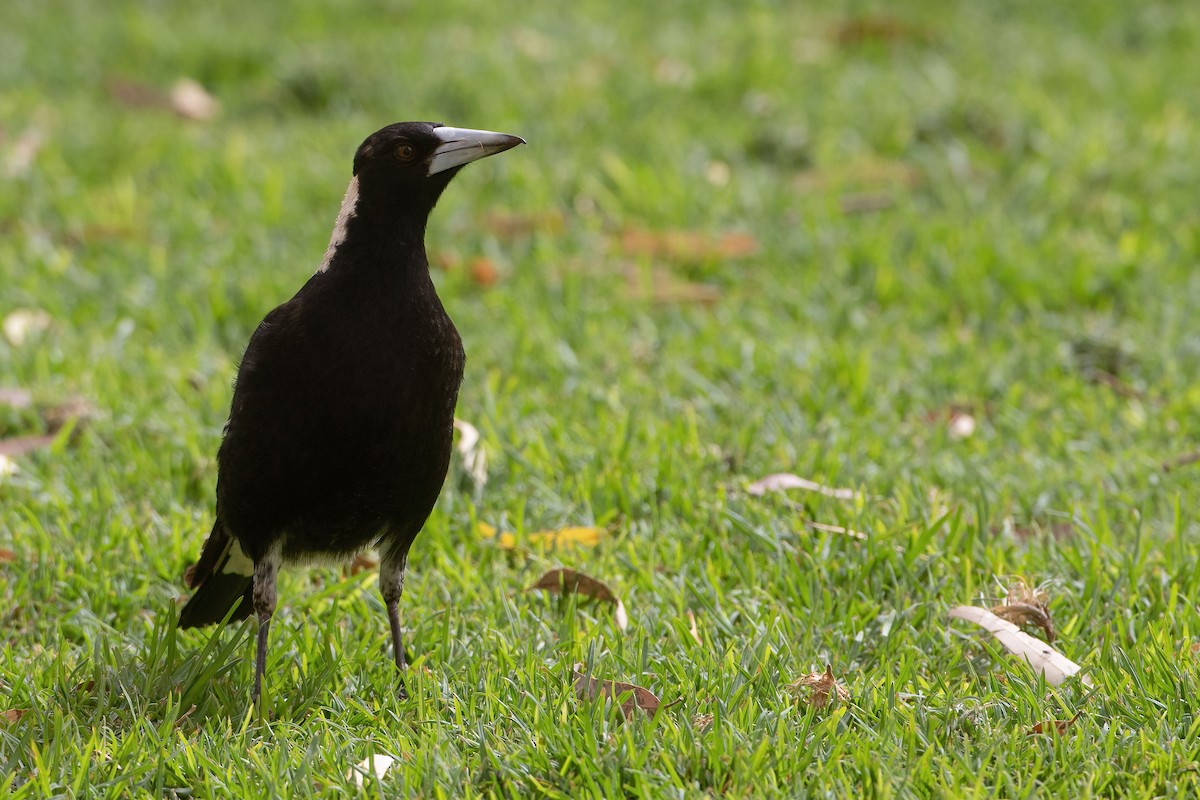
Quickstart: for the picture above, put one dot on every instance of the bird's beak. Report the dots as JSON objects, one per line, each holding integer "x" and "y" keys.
{"x": 462, "y": 146}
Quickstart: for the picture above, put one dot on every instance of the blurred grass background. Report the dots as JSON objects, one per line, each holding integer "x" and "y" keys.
{"x": 743, "y": 239}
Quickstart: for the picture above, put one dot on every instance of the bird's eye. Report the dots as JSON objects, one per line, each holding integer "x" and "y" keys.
{"x": 405, "y": 152}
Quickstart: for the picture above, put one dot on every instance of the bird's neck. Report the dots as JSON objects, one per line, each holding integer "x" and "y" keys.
{"x": 370, "y": 236}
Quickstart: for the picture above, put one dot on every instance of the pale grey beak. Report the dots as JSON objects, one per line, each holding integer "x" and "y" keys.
{"x": 462, "y": 146}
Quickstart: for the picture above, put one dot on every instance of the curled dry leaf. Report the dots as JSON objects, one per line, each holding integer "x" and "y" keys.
{"x": 470, "y": 447}
{"x": 192, "y": 101}
{"x": 1026, "y": 605}
{"x": 630, "y": 696}
{"x": 563, "y": 537}
{"x": 1058, "y": 726}
{"x": 13, "y": 714}
{"x": 782, "y": 481}
{"x": 1041, "y": 657}
{"x": 372, "y": 765}
{"x": 565, "y": 581}
{"x": 824, "y": 687}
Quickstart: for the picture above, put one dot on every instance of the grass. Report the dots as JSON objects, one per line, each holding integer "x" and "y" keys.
{"x": 1033, "y": 260}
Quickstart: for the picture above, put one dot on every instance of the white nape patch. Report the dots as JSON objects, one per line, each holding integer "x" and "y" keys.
{"x": 238, "y": 562}
{"x": 345, "y": 214}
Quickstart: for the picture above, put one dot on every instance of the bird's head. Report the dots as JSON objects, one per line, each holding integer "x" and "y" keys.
{"x": 401, "y": 170}
{"x": 411, "y": 162}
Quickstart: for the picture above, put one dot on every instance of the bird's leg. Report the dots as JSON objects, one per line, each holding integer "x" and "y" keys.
{"x": 391, "y": 586}
{"x": 265, "y": 571}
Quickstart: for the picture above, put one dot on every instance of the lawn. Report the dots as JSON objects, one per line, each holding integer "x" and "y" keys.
{"x": 944, "y": 255}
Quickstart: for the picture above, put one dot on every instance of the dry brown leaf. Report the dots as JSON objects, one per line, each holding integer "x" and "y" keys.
{"x": 634, "y": 697}
{"x": 1026, "y": 605}
{"x": 563, "y": 537}
{"x": 7, "y": 556}
{"x": 474, "y": 456}
{"x": 692, "y": 627}
{"x": 509, "y": 226}
{"x": 1058, "y": 726}
{"x": 362, "y": 562}
{"x": 663, "y": 287}
{"x": 1041, "y": 657}
{"x": 823, "y": 687}
{"x": 687, "y": 246}
{"x": 484, "y": 271}
{"x": 192, "y": 101}
{"x": 782, "y": 481}
{"x": 13, "y": 714}
{"x": 702, "y": 721}
{"x": 866, "y": 202}
{"x": 372, "y": 765}
{"x": 565, "y": 581}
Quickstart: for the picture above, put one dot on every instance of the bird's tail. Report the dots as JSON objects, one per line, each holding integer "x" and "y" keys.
{"x": 221, "y": 577}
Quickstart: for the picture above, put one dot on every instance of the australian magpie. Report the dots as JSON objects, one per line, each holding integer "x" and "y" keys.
{"x": 341, "y": 425}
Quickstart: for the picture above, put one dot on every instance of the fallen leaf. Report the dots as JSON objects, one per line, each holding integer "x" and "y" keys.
{"x": 692, "y": 627}
{"x": 563, "y": 537}
{"x": 823, "y": 687}
{"x": 878, "y": 28}
{"x": 565, "y": 581}
{"x": 635, "y": 697}
{"x": 819, "y": 526}
{"x": 24, "y": 323}
{"x": 484, "y": 271}
{"x": 702, "y": 721}
{"x": 663, "y": 287}
{"x": 362, "y": 562}
{"x": 866, "y": 202}
{"x": 474, "y": 457}
{"x": 192, "y": 101}
{"x": 13, "y": 714}
{"x": 374, "y": 765}
{"x": 15, "y": 398}
{"x": 7, "y": 556}
{"x": 1041, "y": 657}
{"x": 687, "y": 246}
{"x": 22, "y": 445}
{"x": 1026, "y": 605}
{"x": 23, "y": 151}
{"x": 784, "y": 480}
{"x": 1058, "y": 726}
{"x": 509, "y": 226}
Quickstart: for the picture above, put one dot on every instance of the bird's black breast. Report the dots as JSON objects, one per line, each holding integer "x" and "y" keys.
{"x": 342, "y": 419}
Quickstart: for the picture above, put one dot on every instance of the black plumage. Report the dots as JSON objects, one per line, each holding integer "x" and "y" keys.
{"x": 341, "y": 425}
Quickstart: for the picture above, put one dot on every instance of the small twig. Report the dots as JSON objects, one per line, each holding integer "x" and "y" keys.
{"x": 820, "y": 526}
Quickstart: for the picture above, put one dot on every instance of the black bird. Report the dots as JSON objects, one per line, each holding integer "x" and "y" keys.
{"x": 341, "y": 425}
